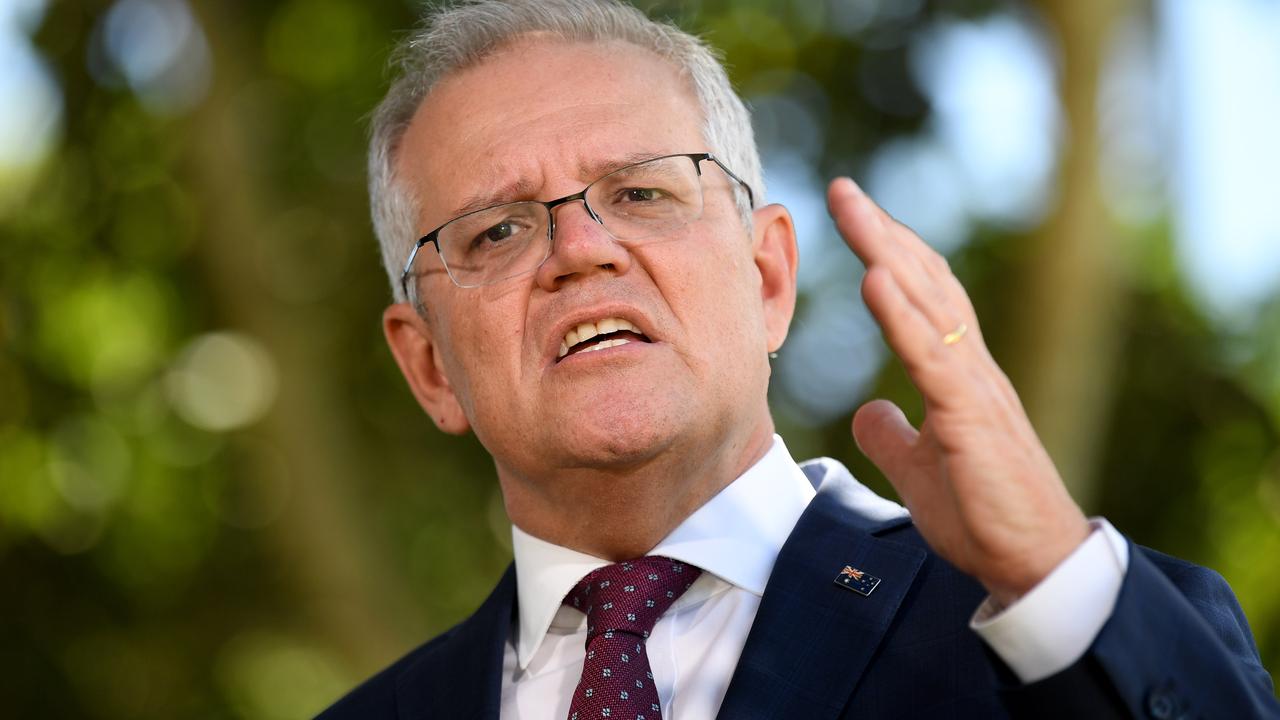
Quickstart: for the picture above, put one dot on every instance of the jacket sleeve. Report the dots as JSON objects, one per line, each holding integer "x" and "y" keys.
{"x": 1177, "y": 645}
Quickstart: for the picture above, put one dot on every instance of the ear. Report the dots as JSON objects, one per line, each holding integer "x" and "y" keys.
{"x": 777, "y": 258}
{"x": 418, "y": 355}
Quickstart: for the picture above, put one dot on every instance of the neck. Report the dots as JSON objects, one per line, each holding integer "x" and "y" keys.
{"x": 643, "y": 503}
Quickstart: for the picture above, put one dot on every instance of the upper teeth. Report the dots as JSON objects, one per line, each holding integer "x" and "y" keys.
{"x": 586, "y": 331}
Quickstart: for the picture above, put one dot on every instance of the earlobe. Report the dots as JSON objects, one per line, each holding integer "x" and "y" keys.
{"x": 777, "y": 259}
{"x": 418, "y": 355}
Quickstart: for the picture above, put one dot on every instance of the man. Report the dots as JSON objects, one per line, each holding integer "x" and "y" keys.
{"x": 595, "y": 292}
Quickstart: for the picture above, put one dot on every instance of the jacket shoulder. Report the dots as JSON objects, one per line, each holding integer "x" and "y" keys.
{"x": 1211, "y": 595}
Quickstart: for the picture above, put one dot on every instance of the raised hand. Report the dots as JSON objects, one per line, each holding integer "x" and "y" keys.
{"x": 978, "y": 482}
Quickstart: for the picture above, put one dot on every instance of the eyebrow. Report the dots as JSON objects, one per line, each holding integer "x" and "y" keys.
{"x": 525, "y": 189}
{"x": 598, "y": 169}
{"x": 508, "y": 192}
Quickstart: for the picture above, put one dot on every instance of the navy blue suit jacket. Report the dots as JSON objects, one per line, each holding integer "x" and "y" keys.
{"x": 1176, "y": 646}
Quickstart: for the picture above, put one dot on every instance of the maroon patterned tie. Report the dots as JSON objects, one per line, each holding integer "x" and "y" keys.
{"x": 622, "y": 602}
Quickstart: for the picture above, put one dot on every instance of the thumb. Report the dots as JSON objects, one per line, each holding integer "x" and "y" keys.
{"x": 884, "y": 435}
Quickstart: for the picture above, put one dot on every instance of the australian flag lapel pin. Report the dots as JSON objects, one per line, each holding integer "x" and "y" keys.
{"x": 857, "y": 580}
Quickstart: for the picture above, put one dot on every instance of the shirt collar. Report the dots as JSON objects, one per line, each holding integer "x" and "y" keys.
{"x": 735, "y": 536}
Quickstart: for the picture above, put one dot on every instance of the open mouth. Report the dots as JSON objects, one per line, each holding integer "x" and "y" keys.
{"x": 599, "y": 335}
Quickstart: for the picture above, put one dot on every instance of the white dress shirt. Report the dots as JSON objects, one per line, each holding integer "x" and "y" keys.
{"x": 735, "y": 538}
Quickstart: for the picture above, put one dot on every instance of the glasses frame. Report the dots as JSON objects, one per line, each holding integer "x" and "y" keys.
{"x": 433, "y": 237}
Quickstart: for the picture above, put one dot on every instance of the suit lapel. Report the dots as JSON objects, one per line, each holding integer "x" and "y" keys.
{"x": 812, "y": 639}
{"x": 462, "y": 676}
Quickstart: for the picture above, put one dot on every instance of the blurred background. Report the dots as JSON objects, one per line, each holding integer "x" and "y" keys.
{"x": 217, "y": 498}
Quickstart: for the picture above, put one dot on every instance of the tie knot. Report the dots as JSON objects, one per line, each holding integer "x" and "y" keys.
{"x": 630, "y": 596}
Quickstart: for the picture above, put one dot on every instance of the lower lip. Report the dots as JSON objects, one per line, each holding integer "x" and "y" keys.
{"x": 615, "y": 352}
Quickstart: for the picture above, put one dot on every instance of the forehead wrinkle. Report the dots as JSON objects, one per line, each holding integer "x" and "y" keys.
{"x": 491, "y": 136}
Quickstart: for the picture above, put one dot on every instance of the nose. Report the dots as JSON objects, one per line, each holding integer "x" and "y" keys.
{"x": 580, "y": 246}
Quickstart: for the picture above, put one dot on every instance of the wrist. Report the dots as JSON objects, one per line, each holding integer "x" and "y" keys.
{"x": 1007, "y": 588}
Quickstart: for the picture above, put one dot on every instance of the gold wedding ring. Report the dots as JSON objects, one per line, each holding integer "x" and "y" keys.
{"x": 954, "y": 336}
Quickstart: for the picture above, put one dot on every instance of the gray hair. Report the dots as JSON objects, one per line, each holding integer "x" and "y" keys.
{"x": 459, "y": 35}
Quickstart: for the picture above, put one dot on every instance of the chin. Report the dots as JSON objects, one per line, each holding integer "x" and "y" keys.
{"x": 617, "y": 435}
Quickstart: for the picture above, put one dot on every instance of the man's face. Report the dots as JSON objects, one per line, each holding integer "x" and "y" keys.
{"x": 540, "y": 120}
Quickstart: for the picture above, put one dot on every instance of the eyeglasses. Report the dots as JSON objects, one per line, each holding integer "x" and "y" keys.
{"x": 639, "y": 201}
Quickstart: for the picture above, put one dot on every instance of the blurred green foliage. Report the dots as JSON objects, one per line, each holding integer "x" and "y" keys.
{"x": 218, "y": 500}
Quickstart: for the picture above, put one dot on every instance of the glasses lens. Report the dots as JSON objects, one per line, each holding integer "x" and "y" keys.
{"x": 648, "y": 199}
{"x": 496, "y": 243}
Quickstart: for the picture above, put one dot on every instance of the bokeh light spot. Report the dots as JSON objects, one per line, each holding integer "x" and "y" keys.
{"x": 28, "y": 501}
{"x": 271, "y": 676}
{"x": 222, "y": 381}
{"x": 30, "y": 98}
{"x": 159, "y": 49}
{"x": 104, "y": 329}
{"x": 90, "y": 464}
{"x": 991, "y": 85}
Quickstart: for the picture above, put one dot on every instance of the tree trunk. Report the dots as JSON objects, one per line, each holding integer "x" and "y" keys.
{"x": 1071, "y": 321}
{"x": 341, "y": 581}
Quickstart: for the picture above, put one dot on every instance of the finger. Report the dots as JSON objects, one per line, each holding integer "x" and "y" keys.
{"x": 939, "y": 373}
{"x": 859, "y": 221}
{"x": 944, "y": 288}
{"x": 940, "y": 297}
{"x": 887, "y": 438}
{"x": 871, "y": 232}
{"x": 878, "y": 239}
{"x": 930, "y": 295}
{"x": 926, "y": 278}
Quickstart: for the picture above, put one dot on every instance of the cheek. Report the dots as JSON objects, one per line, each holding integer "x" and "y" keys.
{"x": 484, "y": 363}
{"x": 728, "y": 307}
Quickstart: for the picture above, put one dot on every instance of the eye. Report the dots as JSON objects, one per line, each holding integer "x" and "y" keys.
{"x": 495, "y": 234}
{"x": 642, "y": 194}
